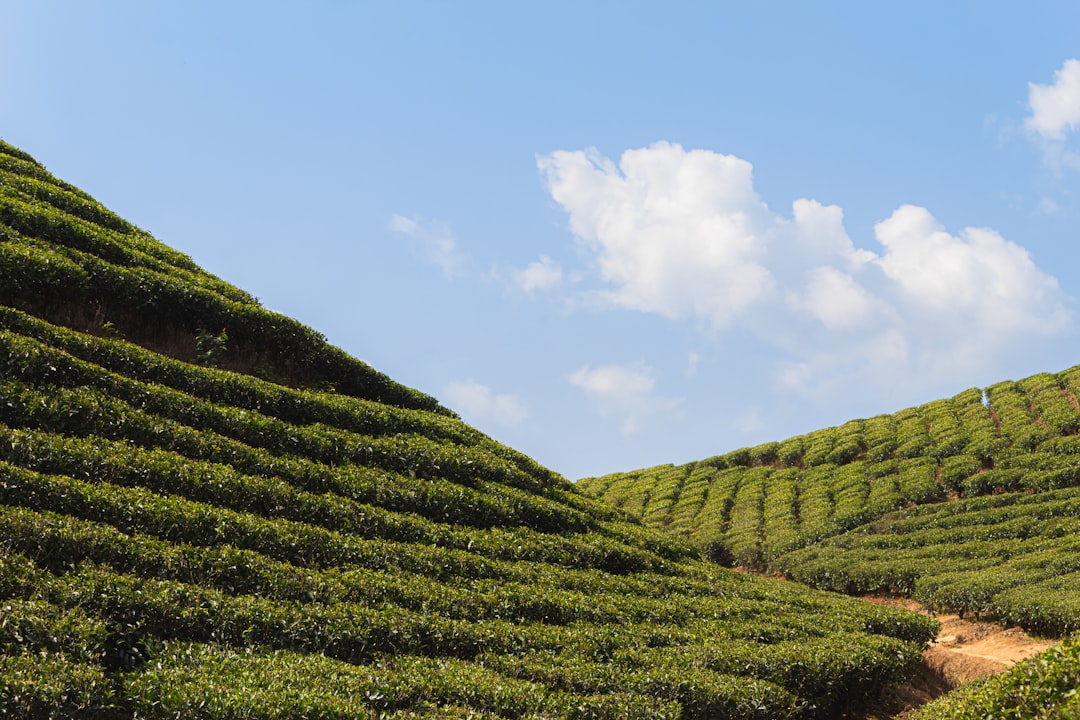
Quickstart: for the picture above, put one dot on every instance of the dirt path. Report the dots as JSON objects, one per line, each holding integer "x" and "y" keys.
{"x": 967, "y": 650}
{"x": 964, "y": 650}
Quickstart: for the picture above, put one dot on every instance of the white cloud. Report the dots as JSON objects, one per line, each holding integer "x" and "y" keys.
{"x": 479, "y": 404}
{"x": 540, "y": 274}
{"x": 433, "y": 241}
{"x": 1055, "y": 109}
{"x": 819, "y": 234}
{"x": 673, "y": 232}
{"x": 684, "y": 235}
{"x": 977, "y": 279}
{"x": 627, "y": 391}
{"x": 835, "y": 299}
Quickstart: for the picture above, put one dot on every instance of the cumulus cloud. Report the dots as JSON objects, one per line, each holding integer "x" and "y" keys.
{"x": 541, "y": 274}
{"x": 976, "y": 279}
{"x": 676, "y": 233}
{"x": 433, "y": 241}
{"x": 1055, "y": 109}
{"x": 836, "y": 299}
{"x": 626, "y": 391}
{"x": 478, "y": 404}
{"x": 683, "y": 234}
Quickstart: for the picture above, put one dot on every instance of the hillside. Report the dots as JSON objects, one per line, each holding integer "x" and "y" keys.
{"x": 207, "y": 511}
{"x": 969, "y": 504}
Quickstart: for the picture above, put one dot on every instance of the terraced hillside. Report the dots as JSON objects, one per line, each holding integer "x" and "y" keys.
{"x": 208, "y": 512}
{"x": 970, "y": 504}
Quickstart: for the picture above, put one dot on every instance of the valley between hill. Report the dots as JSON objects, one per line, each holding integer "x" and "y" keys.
{"x": 967, "y": 505}
{"x": 208, "y": 511}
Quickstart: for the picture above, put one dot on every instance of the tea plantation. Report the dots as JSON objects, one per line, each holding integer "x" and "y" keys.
{"x": 206, "y": 511}
{"x": 969, "y": 504}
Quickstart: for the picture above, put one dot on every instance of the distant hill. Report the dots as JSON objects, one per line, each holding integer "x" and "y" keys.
{"x": 206, "y": 511}
{"x": 970, "y": 504}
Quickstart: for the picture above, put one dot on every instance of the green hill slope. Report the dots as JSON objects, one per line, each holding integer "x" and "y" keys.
{"x": 969, "y": 504}
{"x": 1041, "y": 688}
{"x": 294, "y": 535}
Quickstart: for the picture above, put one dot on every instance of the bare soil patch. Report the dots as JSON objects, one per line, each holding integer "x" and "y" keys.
{"x": 964, "y": 650}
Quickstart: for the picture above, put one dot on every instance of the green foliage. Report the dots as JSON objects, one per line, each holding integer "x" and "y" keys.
{"x": 834, "y": 480}
{"x": 1012, "y": 557}
{"x": 209, "y": 347}
{"x": 45, "y": 686}
{"x": 217, "y": 682}
{"x": 1046, "y": 687}
{"x": 964, "y": 505}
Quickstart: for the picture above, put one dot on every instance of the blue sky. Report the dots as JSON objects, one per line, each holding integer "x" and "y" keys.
{"x": 609, "y": 234}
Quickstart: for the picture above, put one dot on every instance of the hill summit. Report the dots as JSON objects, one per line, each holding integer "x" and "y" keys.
{"x": 207, "y": 511}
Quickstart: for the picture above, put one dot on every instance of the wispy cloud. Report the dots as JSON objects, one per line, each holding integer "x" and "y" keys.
{"x": 625, "y": 391}
{"x": 479, "y": 404}
{"x": 1047, "y": 206}
{"x": 683, "y": 234}
{"x": 541, "y": 274}
{"x": 751, "y": 420}
{"x": 693, "y": 363}
{"x": 433, "y": 241}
